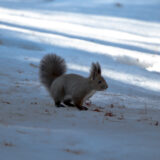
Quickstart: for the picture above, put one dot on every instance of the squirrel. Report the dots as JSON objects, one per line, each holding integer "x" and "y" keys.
{"x": 71, "y": 89}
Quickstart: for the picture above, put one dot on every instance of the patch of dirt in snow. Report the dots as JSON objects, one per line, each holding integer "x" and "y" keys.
{"x": 7, "y": 144}
{"x": 73, "y": 151}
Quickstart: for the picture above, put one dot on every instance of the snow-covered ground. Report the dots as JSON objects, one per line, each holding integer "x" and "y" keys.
{"x": 122, "y": 122}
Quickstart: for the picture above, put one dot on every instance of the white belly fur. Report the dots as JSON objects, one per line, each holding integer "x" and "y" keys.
{"x": 89, "y": 95}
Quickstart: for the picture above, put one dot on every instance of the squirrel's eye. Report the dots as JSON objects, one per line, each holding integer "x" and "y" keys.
{"x": 99, "y": 82}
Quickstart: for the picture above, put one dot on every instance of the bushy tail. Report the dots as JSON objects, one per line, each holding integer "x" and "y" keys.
{"x": 51, "y": 67}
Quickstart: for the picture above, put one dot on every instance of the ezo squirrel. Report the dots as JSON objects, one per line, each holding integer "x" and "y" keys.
{"x": 68, "y": 88}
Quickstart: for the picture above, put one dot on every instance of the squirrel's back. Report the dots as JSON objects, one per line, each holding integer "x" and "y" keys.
{"x": 51, "y": 67}
{"x": 72, "y": 83}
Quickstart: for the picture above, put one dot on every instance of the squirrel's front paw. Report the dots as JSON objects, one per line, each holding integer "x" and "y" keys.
{"x": 82, "y": 108}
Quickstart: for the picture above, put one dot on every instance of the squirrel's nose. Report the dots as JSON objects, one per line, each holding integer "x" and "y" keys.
{"x": 104, "y": 86}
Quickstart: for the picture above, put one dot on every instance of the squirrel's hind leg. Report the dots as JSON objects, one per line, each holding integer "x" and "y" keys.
{"x": 58, "y": 95}
{"x": 58, "y": 104}
{"x": 68, "y": 102}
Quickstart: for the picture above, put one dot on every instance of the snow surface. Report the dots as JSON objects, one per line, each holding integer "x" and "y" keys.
{"x": 122, "y": 122}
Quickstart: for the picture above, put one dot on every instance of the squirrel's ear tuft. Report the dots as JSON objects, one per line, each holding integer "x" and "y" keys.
{"x": 98, "y": 68}
{"x": 95, "y": 70}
